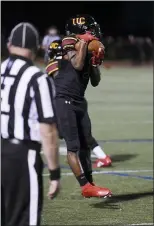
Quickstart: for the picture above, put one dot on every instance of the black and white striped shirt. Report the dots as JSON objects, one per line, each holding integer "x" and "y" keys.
{"x": 26, "y": 99}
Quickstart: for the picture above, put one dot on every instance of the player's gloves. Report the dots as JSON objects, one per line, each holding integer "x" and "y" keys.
{"x": 87, "y": 37}
{"x": 97, "y": 58}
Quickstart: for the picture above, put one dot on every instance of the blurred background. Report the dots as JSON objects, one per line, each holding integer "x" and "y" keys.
{"x": 120, "y": 108}
{"x": 126, "y": 26}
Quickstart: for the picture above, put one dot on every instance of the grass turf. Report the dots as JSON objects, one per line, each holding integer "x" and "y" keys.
{"x": 121, "y": 107}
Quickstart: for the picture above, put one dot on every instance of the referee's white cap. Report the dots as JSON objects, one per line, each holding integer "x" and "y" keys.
{"x": 24, "y": 35}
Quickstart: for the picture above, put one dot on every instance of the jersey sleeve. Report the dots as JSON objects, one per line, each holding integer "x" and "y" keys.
{"x": 52, "y": 67}
{"x": 43, "y": 94}
{"x": 68, "y": 43}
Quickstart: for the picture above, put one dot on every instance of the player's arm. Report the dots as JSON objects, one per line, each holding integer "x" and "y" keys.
{"x": 76, "y": 57}
{"x": 96, "y": 61}
{"x": 95, "y": 76}
{"x": 52, "y": 68}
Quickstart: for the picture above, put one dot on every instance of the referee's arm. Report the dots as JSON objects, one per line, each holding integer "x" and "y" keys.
{"x": 48, "y": 129}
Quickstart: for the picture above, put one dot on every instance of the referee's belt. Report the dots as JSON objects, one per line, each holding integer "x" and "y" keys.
{"x": 23, "y": 142}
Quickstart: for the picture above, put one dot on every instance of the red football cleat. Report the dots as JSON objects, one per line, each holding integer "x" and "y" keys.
{"x": 102, "y": 162}
{"x": 93, "y": 191}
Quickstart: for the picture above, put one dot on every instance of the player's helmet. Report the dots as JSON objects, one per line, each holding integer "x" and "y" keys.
{"x": 55, "y": 50}
{"x": 80, "y": 24}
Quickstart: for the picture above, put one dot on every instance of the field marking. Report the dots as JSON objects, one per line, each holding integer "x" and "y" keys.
{"x": 106, "y": 172}
{"x": 144, "y": 224}
{"x": 63, "y": 150}
{"x": 125, "y": 122}
{"x": 131, "y": 108}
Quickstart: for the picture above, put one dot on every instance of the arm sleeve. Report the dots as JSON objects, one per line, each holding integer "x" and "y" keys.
{"x": 95, "y": 76}
{"x": 52, "y": 67}
{"x": 68, "y": 43}
{"x": 44, "y": 99}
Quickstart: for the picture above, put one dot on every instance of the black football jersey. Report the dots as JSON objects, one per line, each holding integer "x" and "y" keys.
{"x": 68, "y": 44}
{"x": 69, "y": 81}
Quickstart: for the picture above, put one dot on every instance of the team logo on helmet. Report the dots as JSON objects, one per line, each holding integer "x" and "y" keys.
{"x": 54, "y": 45}
{"x": 78, "y": 20}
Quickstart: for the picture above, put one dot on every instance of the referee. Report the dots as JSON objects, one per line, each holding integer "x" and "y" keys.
{"x": 27, "y": 120}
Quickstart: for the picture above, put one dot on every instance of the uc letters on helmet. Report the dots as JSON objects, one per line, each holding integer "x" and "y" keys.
{"x": 54, "y": 45}
{"x": 80, "y": 20}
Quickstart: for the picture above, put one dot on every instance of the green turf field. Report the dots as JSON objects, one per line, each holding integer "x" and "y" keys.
{"x": 121, "y": 109}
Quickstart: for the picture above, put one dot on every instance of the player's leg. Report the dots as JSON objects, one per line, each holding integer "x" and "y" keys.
{"x": 23, "y": 191}
{"x": 102, "y": 159}
{"x": 86, "y": 157}
{"x": 66, "y": 117}
{"x": 86, "y": 141}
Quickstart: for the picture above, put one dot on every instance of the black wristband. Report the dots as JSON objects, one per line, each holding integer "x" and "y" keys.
{"x": 55, "y": 174}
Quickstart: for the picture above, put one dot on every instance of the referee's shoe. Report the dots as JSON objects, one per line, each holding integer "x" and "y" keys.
{"x": 27, "y": 119}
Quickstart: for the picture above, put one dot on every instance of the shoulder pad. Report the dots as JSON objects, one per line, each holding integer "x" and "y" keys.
{"x": 68, "y": 43}
{"x": 52, "y": 67}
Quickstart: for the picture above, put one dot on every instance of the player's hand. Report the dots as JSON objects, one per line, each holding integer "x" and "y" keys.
{"x": 97, "y": 58}
{"x": 54, "y": 188}
{"x": 87, "y": 37}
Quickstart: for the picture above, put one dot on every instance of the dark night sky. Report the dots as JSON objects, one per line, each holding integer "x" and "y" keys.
{"x": 115, "y": 18}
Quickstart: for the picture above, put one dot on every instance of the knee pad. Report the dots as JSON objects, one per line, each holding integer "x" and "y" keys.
{"x": 73, "y": 146}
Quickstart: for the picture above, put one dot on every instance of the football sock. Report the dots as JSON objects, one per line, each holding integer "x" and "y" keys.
{"x": 82, "y": 179}
{"x": 89, "y": 176}
{"x": 99, "y": 152}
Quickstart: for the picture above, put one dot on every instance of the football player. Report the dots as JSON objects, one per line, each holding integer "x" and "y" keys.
{"x": 71, "y": 75}
{"x": 56, "y": 52}
{"x": 78, "y": 28}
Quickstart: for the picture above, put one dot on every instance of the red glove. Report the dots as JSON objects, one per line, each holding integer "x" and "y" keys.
{"x": 97, "y": 58}
{"x": 87, "y": 37}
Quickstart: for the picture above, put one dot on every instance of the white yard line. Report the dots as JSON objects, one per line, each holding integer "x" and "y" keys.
{"x": 125, "y": 122}
{"x": 63, "y": 152}
{"x": 143, "y": 224}
{"x": 129, "y": 109}
{"x": 104, "y": 172}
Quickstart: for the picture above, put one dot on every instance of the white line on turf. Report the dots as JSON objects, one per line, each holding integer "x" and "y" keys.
{"x": 143, "y": 224}
{"x": 129, "y": 109}
{"x": 63, "y": 152}
{"x": 125, "y": 122}
{"x": 104, "y": 172}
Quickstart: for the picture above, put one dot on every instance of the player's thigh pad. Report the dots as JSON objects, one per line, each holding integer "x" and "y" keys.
{"x": 68, "y": 125}
{"x": 85, "y": 128}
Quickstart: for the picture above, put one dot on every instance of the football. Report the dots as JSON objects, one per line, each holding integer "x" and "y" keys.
{"x": 94, "y": 45}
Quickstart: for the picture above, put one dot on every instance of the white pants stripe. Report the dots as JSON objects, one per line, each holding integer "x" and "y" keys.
{"x": 34, "y": 192}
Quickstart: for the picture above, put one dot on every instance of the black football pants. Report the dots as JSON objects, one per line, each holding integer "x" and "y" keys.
{"x": 75, "y": 127}
{"x": 21, "y": 183}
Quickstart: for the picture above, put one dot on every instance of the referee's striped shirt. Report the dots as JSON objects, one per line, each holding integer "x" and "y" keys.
{"x": 26, "y": 99}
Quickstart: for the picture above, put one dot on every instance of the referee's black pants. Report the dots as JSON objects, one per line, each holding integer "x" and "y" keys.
{"x": 21, "y": 183}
